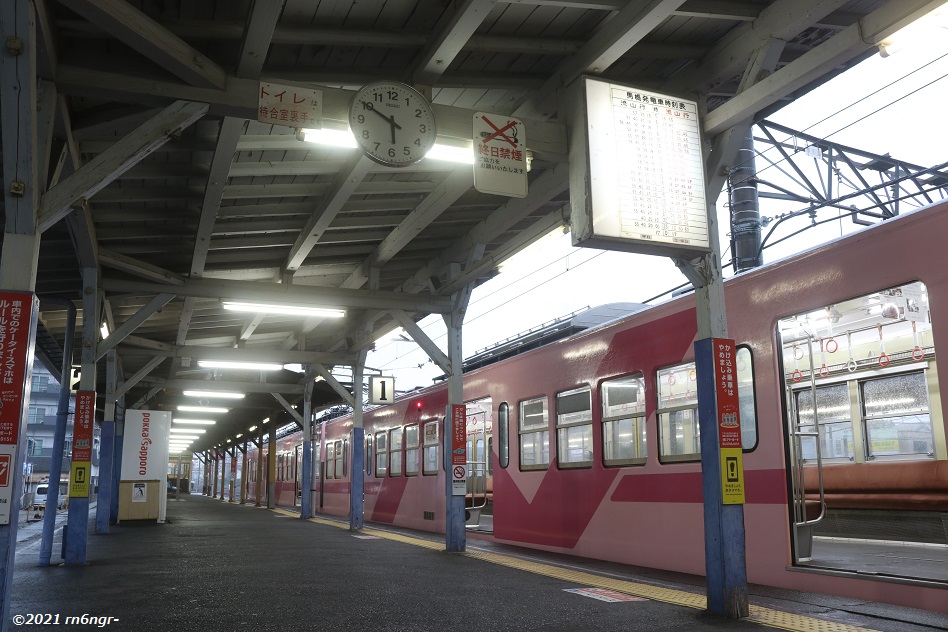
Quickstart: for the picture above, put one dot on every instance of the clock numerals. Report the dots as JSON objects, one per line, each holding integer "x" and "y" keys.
{"x": 380, "y": 117}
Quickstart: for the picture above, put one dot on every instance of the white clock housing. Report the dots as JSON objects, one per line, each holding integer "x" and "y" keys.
{"x": 393, "y": 123}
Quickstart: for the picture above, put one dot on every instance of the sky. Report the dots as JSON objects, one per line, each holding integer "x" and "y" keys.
{"x": 888, "y": 105}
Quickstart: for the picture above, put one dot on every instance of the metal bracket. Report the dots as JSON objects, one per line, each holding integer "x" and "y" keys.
{"x": 17, "y": 188}
{"x": 15, "y": 45}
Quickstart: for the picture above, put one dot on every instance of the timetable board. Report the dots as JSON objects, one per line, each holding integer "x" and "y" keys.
{"x": 643, "y": 187}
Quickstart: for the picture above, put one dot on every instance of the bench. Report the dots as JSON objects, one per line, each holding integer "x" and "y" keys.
{"x": 904, "y": 500}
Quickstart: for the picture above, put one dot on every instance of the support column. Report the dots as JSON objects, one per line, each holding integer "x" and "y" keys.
{"x": 357, "y": 471}
{"x": 22, "y": 188}
{"x": 117, "y": 468}
{"x": 77, "y": 526}
{"x": 271, "y": 467}
{"x": 223, "y": 472}
{"x": 259, "y": 485}
{"x": 243, "y": 476}
{"x": 724, "y": 544}
{"x": 306, "y": 476}
{"x": 107, "y": 446}
{"x": 59, "y": 437}
{"x": 455, "y": 536}
{"x": 217, "y": 462}
{"x": 233, "y": 474}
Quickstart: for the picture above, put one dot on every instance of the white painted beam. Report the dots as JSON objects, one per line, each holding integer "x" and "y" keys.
{"x": 225, "y": 385}
{"x": 130, "y": 325}
{"x": 284, "y": 294}
{"x": 346, "y": 183}
{"x": 427, "y": 345}
{"x": 104, "y": 168}
{"x": 140, "y": 32}
{"x": 138, "y": 268}
{"x": 334, "y": 383}
{"x": 230, "y": 354}
{"x": 143, "y": 372}
{"x": 288, "y": 407}
{"x": 451, "y": 34}
{"x": 848, "y": 44}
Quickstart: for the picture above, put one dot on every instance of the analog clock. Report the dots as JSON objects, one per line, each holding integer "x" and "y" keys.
{"x": 393, "y": 123}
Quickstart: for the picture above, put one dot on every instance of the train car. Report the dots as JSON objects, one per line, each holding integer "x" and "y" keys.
{"x": 589, "y": 445}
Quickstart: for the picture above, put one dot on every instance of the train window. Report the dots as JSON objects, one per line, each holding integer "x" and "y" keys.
{"x": 395, "y": 452}
{"x": 534, "y": 434}
{"x": 747, "y": 401}
{"x": 430, "y": 466}
{"x": 503, "y": 434}
{"x": 338, "y": 460}
{"x": 368, "y": 455}
{"x": 679, "y": 434}
{"x": 574, "y": 445}
{"x": 381, "y": 454}
{"x": 345, "y": 457}
{"x": 896, "y": 416}
{"x": 411, "y": 450}
{"x": 833, "y": 418}
{"x": 623, "y": 421}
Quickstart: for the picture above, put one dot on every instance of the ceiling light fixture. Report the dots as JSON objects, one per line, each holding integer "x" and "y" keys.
{"x": 189, "y": 430}
{"x": 251, "y": 428}
{"x": 257, "y": 366}
{"x": 203, "y": 422}
{"x": 344, "y": 139}
{"x": 202, "y": 409}
{"x": 215, "y": 394}
{"x": 104, "y": 330}
{"x": 288, "y": 310}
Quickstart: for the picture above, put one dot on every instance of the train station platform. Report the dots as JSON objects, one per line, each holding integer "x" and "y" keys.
{"x": 221, "y": 566}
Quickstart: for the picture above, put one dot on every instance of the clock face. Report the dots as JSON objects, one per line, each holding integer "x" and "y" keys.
{"x": 393, "y": 123}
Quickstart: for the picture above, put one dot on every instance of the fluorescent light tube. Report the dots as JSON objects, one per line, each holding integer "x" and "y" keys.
{"x": 289, "y": 310}
{"x": 221, "y": 364}
{"x": 220, "y": 394}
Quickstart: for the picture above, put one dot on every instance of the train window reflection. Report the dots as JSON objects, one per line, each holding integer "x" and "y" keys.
{"x": 411, "y": 450}
{"x": 679, "y": 434}
{"x": 503, "y": 430}
{"x": 574, "y": 428}
{"x": 381, "y": 454}
{"x": 896, "y": 415}
{"x": 534, "y": 434}
{"x": 395, "y": 452}
{"x": 623, "y": 421}
{"x": 430, "y": 467}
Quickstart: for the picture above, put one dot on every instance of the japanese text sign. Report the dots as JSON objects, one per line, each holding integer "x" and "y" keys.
{"x": 16, "y": 316}
{"x": 458, "y": 436}
{"x": 500, "y": 155}
{"x": 82, "y": 427}
{"x": 725, "y": 384}
{"x": 294, "y": 106}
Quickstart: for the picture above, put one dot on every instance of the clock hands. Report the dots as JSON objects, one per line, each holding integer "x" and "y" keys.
{"x": 391, "y": 119}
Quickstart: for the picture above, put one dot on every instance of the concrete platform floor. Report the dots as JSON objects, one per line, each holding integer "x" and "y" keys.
{"x": 219, "y": 566}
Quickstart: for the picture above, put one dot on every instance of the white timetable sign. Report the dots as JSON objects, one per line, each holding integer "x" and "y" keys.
{"x": 644, "y": 181}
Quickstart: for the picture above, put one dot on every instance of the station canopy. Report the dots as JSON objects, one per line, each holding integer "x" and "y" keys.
{"x": 196, "y": 202}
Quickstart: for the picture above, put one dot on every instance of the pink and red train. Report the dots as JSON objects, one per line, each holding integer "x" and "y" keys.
{"x": 588, "y": 445}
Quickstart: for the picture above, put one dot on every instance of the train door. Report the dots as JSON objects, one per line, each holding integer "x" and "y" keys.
{"x": 865, "y": 431}
{"x": 298, "y": 477}
{"x": 479, "y": 498}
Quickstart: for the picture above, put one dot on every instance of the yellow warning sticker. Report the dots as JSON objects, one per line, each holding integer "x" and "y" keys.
{"x": 732, "y": 476}
{"x": 79, "y": 479}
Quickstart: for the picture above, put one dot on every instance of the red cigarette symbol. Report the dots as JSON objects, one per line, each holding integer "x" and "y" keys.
{"x": 499, "y": 131}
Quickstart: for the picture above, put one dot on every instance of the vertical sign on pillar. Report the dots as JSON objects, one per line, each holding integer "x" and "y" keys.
{"x": 82, "y": 445}
{"x": 458, "y": 450}
{"x": 729, "y": 421}
{"x": 16, "y": 317}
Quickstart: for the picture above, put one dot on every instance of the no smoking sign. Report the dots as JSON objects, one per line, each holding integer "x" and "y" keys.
{"x": 459, "y": 480}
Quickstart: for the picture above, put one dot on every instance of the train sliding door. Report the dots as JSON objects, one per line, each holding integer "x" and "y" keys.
{"x": 866, "y": 436}
{"x": 479, "y": 498}
{"x": 298, "y": 477}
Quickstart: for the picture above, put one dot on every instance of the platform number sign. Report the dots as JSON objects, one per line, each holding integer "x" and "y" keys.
{"x": 381, "y": 389}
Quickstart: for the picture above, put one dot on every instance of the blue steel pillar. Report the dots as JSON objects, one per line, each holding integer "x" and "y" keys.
{"x": 271, "y": 466}
{"x": 455, "y": 536}
{"x": 723, "y": 524}
{"x": 259, "y": 483}
{"x": 59, "y": 437}
{"x": 77, "y": 525}
{"x": 243, "y": 474}
{"x": 306, "y": 476}
{"x": 107, "y": 446}
{"x": 357, "y": 473}
{"x": 117, "y": 468}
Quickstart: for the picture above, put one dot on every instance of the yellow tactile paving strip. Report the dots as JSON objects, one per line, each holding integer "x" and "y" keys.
{"x": 765, "y": 616}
